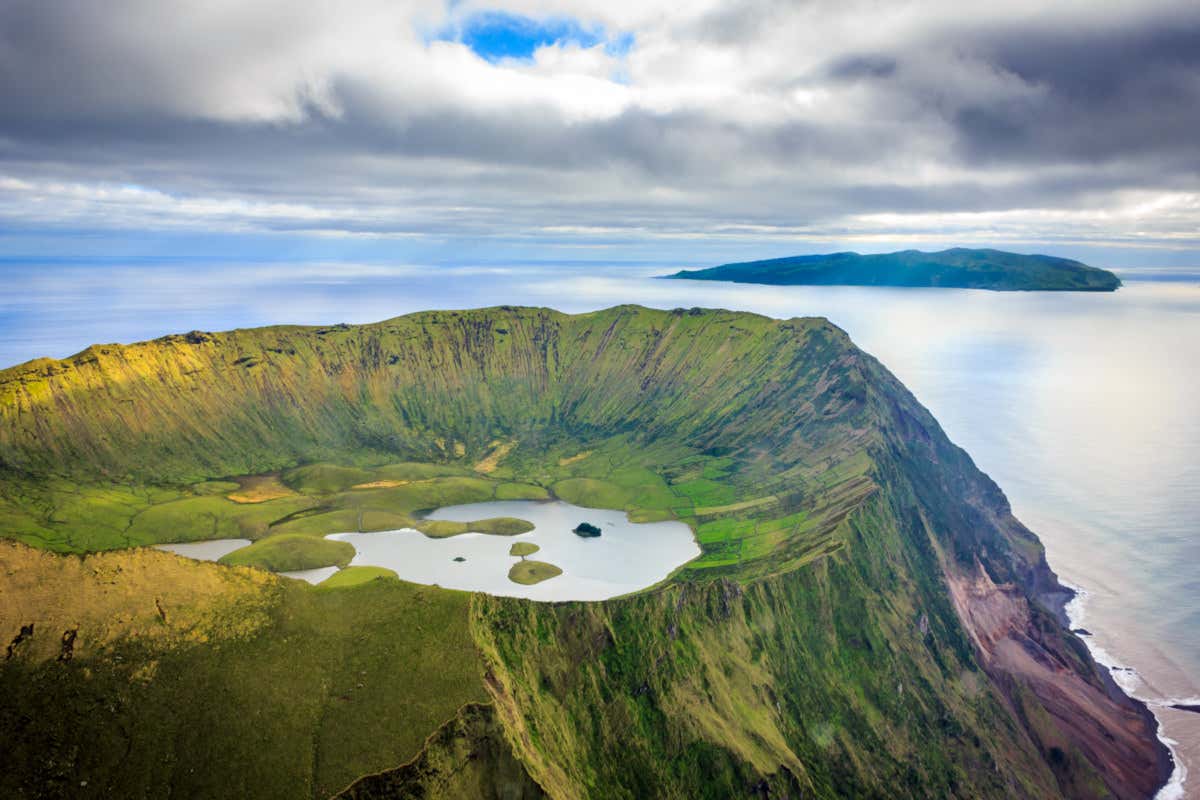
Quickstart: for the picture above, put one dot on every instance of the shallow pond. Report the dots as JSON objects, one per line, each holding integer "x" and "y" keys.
{"x": 211, "y": 550}
{"x": 313, "y": 576}
{"x": 215, "y": 549}
{"x": 626, "y": 557}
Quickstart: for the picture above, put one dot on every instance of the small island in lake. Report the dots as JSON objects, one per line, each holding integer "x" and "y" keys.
{"x": 957, "y": 268}
{"x": 522, "y": 549}
{"x": 527, "y": 573}
{"x": 587, "y": 530}
{"x": 496, "y": 526}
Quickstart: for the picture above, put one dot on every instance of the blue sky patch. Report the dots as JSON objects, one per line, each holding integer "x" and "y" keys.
{"x": 496, "y": 35}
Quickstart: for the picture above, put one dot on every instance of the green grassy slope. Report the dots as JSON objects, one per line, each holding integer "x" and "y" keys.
{"x": 424, "y": 386}
{"x": 467, "y": 757}
{"x": 828, "y": 641}
{"x": 958, "y": 268}
{"x": 323, "y": 687}
{"x": 353, "y": 576}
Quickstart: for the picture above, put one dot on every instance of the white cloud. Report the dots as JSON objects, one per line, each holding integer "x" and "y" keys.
{"x": 765, "y": 118}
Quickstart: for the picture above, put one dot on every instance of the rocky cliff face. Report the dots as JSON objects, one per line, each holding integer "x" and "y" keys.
{"x": 867, "y": 619}
{"x": 1097, "y": 741}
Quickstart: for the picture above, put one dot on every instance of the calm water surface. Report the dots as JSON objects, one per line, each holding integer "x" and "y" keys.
{"x": 1083, "y": 407}
{"x": 211, "y": 550}
{"x": 626, "y": 557}
{"x": 215, "y": 549}
{"x": 313, "y": 576}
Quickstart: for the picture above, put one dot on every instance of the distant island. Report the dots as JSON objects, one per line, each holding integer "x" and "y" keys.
{"x": 957, "y": 268}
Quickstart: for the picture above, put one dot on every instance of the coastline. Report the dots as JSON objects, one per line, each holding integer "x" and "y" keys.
{"x": 1127, "y": 681}
{"x": 1065, "y": 601}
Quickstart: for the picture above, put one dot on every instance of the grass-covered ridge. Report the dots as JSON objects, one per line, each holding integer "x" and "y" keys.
{"x": 826, "y": 642}
{"x": 957, "y": 268}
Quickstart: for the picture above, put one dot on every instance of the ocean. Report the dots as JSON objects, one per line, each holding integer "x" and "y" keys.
{"x": 1082, "y": 407}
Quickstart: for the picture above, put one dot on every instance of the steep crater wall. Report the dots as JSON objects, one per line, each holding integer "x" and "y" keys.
{"x": 868, "y": 618}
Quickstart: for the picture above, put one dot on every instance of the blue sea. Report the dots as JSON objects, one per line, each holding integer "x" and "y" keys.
{"x": 1083, "y": 407}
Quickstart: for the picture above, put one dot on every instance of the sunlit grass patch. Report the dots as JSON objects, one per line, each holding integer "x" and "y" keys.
{"x": 372, "y": 520}
{"x": 569, "y": 460}
{"x": 521, "y": 491}
{"x": 491, "y": 461}
{"x": 343, "y": 520}
{"x": 527, "y": 573}
{"x": 419, "y": 471}
{"x": 211, "y": 517}
{"x": 591, "y": 492}
{"x": 705, "y": 493}
{"x": 259, "y": 489}
{"x": 325, "y": 478}
{"x": 289, "y": 552}
{"x": 522, "y": 549}
{"x": 214, "y": 487}
{"x": 496, "y": 526}
{"x": 356, "y": 576}
{"x": 744, "y": 505}
{"x": 382, "y": 484}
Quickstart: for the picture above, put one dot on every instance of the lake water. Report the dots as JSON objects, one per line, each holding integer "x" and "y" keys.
{"x": 313, "y": 576}
{"x": 1083, "y": 407}
{"x": 626, "y": 557}
{"x": 212, "y": 550}
{"x": 215, "y": 549}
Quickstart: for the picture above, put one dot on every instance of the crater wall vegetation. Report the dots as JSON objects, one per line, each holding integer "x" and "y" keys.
{"x": 866, "y": 618}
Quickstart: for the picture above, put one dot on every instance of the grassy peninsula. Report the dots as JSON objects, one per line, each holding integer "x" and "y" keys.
{"x": 957, "y": 268}
{"x": 866, "y": 619}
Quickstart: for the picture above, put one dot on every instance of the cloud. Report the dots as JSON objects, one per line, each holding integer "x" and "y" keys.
{"x": 589, "y": 121}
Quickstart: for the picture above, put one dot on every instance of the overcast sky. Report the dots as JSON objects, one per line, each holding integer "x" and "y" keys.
{"x": 600, "y": 126}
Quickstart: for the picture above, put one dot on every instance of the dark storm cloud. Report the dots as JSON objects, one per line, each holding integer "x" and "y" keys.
{"x": 1106, "y": 95}
{"x": 1092, "y": 94}
{"x": 862, "y": 66}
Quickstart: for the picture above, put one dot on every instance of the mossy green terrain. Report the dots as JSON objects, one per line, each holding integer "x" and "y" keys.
{"x": 188, "y": 679}
{"x": 853, "y": 626}
{"x": 527, "y": 573}
{"x": 521, "y": 491}
{"x": 286, "y": 552}
{"x": 496, "y": 526}
{"x": 522, "y": 549}
{"x": 324, "y": 479}
{"x": 356, "y": 576}
{"x": 254, "y": 489}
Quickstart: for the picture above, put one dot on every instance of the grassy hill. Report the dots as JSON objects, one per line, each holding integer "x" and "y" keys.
{"x": 957, "y": 268}
{"x": 866, "y": 617}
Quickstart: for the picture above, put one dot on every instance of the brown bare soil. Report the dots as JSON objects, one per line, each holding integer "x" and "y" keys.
{"x": 493, "y": 459}
{"x": 380, "y": 484}
{"x": 259, "y": 489}
{"x": 1075, "y": 708}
